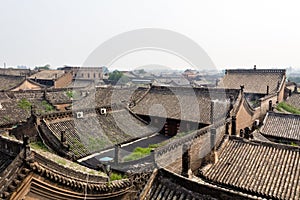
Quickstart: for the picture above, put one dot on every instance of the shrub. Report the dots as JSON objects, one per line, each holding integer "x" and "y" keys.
{"x": 288, "y": 108}
{"x": 24, "y": 104}
{"x": 116, "y": 176}
{"x": 38, "y": 145}
{"x": 140, "y": 152}
{"x": 47, "y": 106}
{"x": 70, "y": 94}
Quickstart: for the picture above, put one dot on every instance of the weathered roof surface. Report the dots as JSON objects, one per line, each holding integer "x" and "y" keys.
{"x": 106, "y": 97}
{"x": 11, "y": 113}
{"x": 46, "y": 176}
{"x": 59, "y": 97}
{"x": 281, "y": 125}
{"x": 185, "y": 103}
{"x": 8, "y": 82}
{"x": 95, "y": 132}
{"x": 15, "y": 107}
{"x": 164, "y": 188}
{"x": 48, "y": 74}
{"x": 294, "y": 100}
{"x": 5, "y": 160}
{"x": 15, "y": 72}
{"x": 264, "y": 169}
{"x": 164, "y": 184}
{"x": 254, "y": 80}
{"x": 27, "y": 84}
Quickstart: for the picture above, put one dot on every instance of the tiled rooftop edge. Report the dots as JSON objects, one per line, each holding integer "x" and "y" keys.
{"x": 255, "y": 71}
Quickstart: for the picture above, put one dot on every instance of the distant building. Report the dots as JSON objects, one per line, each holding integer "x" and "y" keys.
{"x": 280, "y": 127}
{"x": 91, "y": 73}
{"x": 259, "y": 82}
{"x": 16, "y": 72}
{"x": 53, "y": 78}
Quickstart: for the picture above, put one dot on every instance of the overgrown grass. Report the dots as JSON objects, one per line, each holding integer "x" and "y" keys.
{"x": 116, "y": 176}
{"x": 286, "y": 107}
{"x": 6, "y": 118}
{"x": 47, "y": 106}
{"x": 38, "y": 145}
{"x": 61, "y": 161}
{"x": 140, "y": 152}
{"x": 70, "y": 94}
{"x": 95, "y": 144}
{"x": 24, "y": 104}
{"x": 294, "y": 144}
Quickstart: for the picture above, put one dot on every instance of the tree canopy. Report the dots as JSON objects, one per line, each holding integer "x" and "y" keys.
{"x": 118, "y": 77}
{"x": 46, "y": 67}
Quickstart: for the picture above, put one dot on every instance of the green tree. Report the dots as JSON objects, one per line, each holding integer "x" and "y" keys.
{"x": 118, "y": 77}
{"x": 46, "y": 67}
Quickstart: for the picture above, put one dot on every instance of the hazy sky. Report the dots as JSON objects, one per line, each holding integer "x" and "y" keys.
{"x": 233, "y": 33}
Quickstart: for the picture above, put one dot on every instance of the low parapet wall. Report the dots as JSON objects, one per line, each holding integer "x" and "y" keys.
{"x": 10, "y": 147}
{"x": 199, "y": 143}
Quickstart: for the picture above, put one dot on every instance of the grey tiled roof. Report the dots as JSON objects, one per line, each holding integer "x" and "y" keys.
{"x": 7, "y": 82}
{"x": 5, "y": 160}
{"x": 164, "y": 188}
{"x": 12, "y": 114}
{"x": 48, "y": 74}
{"x": 255, "y": 81}
{"x": 58, "y": 97}
{"x": 264, "y": 169}
{"x": 106, "y": 97}
{"x": 184, "y": 103}
{"x": 281, "y": 125}
{"x": 95, "y": 132}
{"x": 294, "y": 100}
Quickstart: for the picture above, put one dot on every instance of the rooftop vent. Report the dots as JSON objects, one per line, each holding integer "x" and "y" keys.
{"x": 79, "y": 115}
{"x": 103, "y": 111}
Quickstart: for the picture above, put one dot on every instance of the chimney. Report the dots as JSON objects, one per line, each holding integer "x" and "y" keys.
{"x": 247, "y": 133}
{"x": 233, "y": 125}
{"x": 152, "y": 153}
{"x": 33, "y": 110}
{"x": 62, "y": 136}
{"x": 217, "y": 82}
{"x": 117, "y": 154}
{"x": 212, "y": 108}
{"x": 241, "y": 133}
{"x": 227, "y": 128}
{"x": 242, "y": 88}
{"x": 254, "y": 67}
{"x": 185, "y": 160}
{"x": 231, "y": 99}
{"x": 270, "y": 105}
{"x": 4, "y": 65}
{"x": 213, "y": 134}
{"x": 267, "y": 90}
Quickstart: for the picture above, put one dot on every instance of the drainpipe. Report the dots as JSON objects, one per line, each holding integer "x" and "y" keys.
{"x": 185, "y": 160}
{"x": 233, "y": 125}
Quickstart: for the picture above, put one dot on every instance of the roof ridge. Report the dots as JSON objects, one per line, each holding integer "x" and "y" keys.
{"x": 264, "y": 143}
{"x": 283, "y": 114}
{"x": 255, "y": 70}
